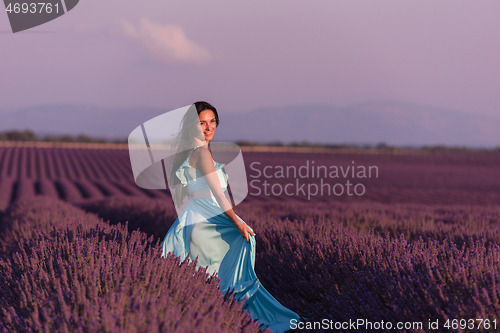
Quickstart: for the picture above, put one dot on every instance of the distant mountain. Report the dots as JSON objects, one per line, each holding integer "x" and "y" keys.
{"x": 395, "y": 123}
{"x": 73, "y": 119}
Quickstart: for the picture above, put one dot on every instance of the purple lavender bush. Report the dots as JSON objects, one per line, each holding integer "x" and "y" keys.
{"x": 456, "y": 223}
{"x": 77, "y": 277}
{"x": 68, "y": 190}
{"x": 46, "y": 187}
{"x": 25, "y": 188}
{"x": 326, "y": 269}
{"x": 358, "y": 260}
{"x": 30, "y": 217}
{"x": 6, "y": 189}
{"x": 422, "y": 244}
{"x": 89, "y": 189}
{"x": 152, "y": 216}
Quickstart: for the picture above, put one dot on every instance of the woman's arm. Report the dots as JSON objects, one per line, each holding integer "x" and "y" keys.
{"x": 203, "y": 162}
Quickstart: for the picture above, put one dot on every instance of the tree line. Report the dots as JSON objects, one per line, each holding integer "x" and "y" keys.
{"x": 27, "y": 135}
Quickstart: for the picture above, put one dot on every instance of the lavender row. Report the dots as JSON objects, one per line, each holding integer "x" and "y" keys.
{"x": 12, "y": 190}
{"x": 31, "y": 217}
{"x": 76, "y": 273}
{"x": 30, "y": 162}
{"x": 152, "y": 216}
{"x": 427, "y": 178}
{"x": 444, "y": 178}
{"x": 355, "y": 260}
{"x": 326, "y": 270}
{"x": 459, "y": 224}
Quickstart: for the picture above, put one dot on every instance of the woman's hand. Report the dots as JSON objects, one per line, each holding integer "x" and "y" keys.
{"x": 244, "y": 230}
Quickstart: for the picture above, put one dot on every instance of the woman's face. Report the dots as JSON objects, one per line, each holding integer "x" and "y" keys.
{"x": 208, "y": 124}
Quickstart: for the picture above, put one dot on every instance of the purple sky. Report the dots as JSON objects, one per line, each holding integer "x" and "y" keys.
{"x": 241, "y": 55}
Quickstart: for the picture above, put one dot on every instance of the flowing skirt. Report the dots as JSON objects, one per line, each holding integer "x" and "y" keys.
{"x": 219, "y": 246}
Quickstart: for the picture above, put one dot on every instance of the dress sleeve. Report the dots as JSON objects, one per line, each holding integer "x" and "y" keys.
{"x": 218, "y": 166}
{"x": 181, "y": 174}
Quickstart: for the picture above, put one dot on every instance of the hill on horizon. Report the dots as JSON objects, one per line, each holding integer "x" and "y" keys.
{"x": 394, "y": 123}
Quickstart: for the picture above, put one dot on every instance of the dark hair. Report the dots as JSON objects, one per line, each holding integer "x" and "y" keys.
{"x": 183, "y": 144}
{"x": 202, "y": 106}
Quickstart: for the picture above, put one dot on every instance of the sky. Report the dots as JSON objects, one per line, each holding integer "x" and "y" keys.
{"x": 242, "y": 55}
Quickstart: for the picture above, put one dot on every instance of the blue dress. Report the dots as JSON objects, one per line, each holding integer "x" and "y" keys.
{"x": 219, "y": 246}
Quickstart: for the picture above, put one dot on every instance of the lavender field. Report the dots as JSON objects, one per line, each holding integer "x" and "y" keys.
{"x": 80, "y": 243}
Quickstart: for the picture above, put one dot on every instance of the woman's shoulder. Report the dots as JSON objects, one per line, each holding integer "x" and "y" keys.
{"x": 199, "y": 154}
{"x": 200, "y": 148}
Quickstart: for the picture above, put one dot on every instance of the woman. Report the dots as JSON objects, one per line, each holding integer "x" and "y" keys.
{"x": 208, "y": 229}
